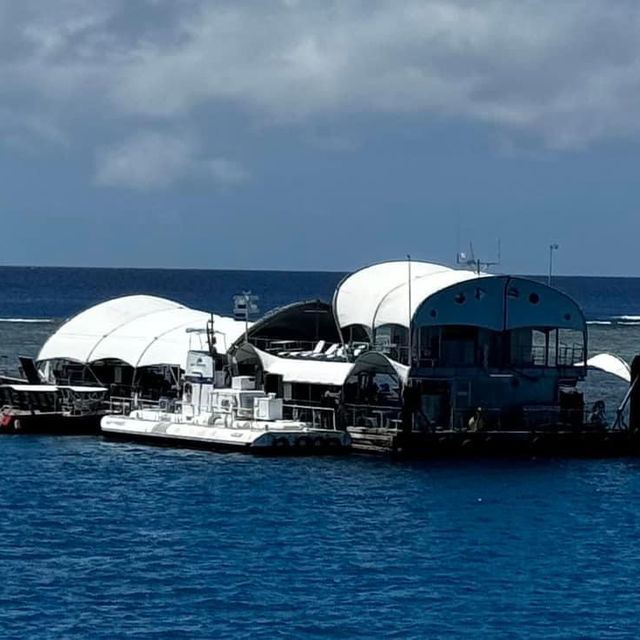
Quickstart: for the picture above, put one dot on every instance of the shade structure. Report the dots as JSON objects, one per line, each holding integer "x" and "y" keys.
{"x": 358, "y": 296}
{"x": 609, "y": 363}
{"x": 304, "y": 370}
{"x": 376, "y": 361}
{"x": 139, "y": 330}
{"x": 406, "y": 293}
{"x": 309, "y": 320}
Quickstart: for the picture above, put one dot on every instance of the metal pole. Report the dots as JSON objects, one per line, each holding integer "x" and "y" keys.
{"x": 552, "y": 247}
{"x": 246, "y": 316}
{"x": 410, "y": 340}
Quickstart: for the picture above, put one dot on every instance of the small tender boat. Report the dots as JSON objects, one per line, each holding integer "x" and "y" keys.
{"x": 53, "y": 409}
{"x": 236, "y": 418}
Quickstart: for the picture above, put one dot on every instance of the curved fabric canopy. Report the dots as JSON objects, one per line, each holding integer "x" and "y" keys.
{"x": 393, "y": 307}
{"x": 311, "y": 320}
{"x": 297, "y": 369}
{"x": 376, "y": 361}
{"x": 436, "y": 295}
{"x": 139, "y": 330}
{"x": 609, "y": 363}
{"x": 359, "y": 295}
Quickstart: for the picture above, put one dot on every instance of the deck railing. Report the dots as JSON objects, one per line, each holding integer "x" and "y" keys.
{"x": 376, "y": 417}
{"x": 122, "y": 405}
{"x": 531, "y": 356}
{"x": 318, "y": 417}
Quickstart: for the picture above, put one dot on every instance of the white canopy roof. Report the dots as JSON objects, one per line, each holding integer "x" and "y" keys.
{"x": 41, "y": 388}
{"x": 394, "y": 306}
{"x": 379, "y": 361}
{"x": 609, "y": 363}
{"x": 383, "y": 295}
{"x": 305, "y": 370}
{"x": 139, "y": 330}
{"x": 359, "y": 295}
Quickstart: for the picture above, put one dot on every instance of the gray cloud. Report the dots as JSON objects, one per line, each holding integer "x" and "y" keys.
{"x": 566, "y": 73}
{"x": 153, "y": 160}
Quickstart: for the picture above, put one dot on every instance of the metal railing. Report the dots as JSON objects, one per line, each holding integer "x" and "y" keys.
{"x": 318, "y": 417}
{"x": 527, "y": 418}
{"x": 530, "y": 356}
{"x": 122, "y": 405}
{"x": 378, "y": 417}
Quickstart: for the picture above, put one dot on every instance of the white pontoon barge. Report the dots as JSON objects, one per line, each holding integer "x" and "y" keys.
{"x": 238, "y": 417}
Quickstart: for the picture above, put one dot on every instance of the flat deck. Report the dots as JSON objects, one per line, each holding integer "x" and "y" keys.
{"x": 557, "y": 442}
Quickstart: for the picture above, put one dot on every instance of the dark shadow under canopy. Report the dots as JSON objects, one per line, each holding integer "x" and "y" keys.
{"x": 306, "y": 321}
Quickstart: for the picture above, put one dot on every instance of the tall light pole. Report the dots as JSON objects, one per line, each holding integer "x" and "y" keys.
{"x": 554, "y": 246}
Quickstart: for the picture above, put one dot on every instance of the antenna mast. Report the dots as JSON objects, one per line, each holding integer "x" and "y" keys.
{"x": 471, "y": 262}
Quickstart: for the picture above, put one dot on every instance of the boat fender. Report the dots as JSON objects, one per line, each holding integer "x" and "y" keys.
{"x": 333, "y": 443}
{"x": 228, "y": 421}
{"x": 281, "y": 443}
{"x": 319, "y": 443}
{"x": 17, "y": 425}
{"x": 5, "y": 421}
{"x": 303, "y": 442}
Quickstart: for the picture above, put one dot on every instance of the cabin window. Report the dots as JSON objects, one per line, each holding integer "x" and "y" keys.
{"x": 458, "y": 346}
{"x": 392, "y": 340}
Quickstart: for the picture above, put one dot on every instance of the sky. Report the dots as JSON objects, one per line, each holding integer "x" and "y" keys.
{"x": 320, "y": 134}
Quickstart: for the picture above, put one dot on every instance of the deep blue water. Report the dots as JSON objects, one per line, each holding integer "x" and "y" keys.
{"x": 107, "y": 540}
{"x": 36, "y": 292}
{"x": 111, "y": 540}
{"x": 40, "y": 292}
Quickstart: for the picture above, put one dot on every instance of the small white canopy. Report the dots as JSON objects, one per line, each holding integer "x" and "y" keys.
{"x": 139, "y": 330}
{"x": 305, "y": 370}
{"x": 609, "y": 363}
{"x": 41, "y": 388}
{"x": 359, "y": 295}
{"x": 374, "y": 360}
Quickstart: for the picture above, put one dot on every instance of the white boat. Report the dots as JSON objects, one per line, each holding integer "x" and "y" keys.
{"x": 237, "y": 417}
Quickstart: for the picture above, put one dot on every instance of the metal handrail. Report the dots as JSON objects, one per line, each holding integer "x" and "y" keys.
{"x": 323, "y": 417}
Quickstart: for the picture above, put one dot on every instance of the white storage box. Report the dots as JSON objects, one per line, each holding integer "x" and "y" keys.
{"x": 268, "y": 408}
{"x": 243, "y": 383}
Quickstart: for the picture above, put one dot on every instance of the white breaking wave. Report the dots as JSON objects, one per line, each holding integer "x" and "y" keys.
{"x": 599, "y": 322}
{"x": 28, "y": 320}
{"x": 632, "y": 318}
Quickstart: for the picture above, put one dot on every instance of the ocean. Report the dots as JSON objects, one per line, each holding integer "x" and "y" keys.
{"x": 108, "y": 540}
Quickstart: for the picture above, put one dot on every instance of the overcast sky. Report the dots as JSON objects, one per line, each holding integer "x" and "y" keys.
{"x": 302, "y": 134}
